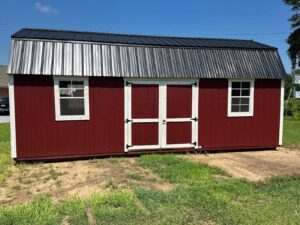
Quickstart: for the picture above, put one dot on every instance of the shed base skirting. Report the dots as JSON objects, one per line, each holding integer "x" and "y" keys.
{"x": 138, "y": 153}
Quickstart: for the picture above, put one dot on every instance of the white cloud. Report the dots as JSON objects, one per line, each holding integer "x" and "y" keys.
{"x": 45, "y": 8}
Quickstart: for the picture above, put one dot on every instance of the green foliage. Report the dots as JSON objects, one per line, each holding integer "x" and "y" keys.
{"x": 229, "y": 201}
{"x": 74, "y": 211}
{"x": 294, "y": 46}
{"x": 292, "y": 108}
{"x": 40, "y": 212}
{"x": 288, "y": 86}
{"x": 116, "y": 208}
{"x": 291, "y": 132}
{"x": 294, "y": 37}
{"x": 177, "y": 170}
{"x": 5, "y": 159}
{"x": 4, "y": 132}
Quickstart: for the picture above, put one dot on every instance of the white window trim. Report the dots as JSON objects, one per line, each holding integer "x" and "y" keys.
{"x": 251, "y": 100}
{"x": 60, "y": 117}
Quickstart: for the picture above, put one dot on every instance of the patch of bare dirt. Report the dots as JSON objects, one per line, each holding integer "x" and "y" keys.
{"x": 77, "y": 178}
{"x": 254, "y": 165}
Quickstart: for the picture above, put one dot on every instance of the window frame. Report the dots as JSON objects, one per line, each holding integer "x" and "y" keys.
{"x": 251, "y": 99}
{"x": 57, "y": 98}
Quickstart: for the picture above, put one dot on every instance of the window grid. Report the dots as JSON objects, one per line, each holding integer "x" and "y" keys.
{"x": 240, "y": 97}
{"x": 71, "y": 98}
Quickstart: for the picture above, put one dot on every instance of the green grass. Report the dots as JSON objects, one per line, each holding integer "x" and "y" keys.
{"x": 291, "y": 132}
{"x": 201, "y": 195}
{"x": 5, "y": 159}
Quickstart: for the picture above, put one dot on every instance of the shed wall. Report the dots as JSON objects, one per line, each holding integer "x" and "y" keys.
{"x": 39, "y": 136}
{"x": 217, "y": 131}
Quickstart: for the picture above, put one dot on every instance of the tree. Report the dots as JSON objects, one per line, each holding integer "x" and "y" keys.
{"x": 294, "y": 38}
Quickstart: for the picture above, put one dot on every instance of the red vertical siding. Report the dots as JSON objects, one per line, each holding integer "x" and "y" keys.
{"x": 145, "y": 134}
{"x": 179, "y": 133}
{"x": 179, "y": 101}
{"x": 217, "y": 131}
{"x": 39, "y": 135}
{"x": 144, "y": 101}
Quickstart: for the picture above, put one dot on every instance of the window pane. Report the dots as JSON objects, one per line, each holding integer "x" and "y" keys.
{"x": 244, "y": 108}
{"x": 236, "y": 85}
{"x": 77, "y": 84}
{"x": 64, "y": 84}
{"x": 235, "y": 101}
{"x": 235, "y": 92}
{"x": 245, "y": 101}
{"x": 65, "y": 92}
{"x": 78, "y": 93}
{"x": 246, "y": 85}
{"x": 246, "y": 92}
{"x": 235, "y": 108}
{"x": 72, "y": 106}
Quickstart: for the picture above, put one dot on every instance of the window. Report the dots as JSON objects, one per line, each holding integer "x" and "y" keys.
{"x": 71, "y": 98}
{"x": 240, "y": 98}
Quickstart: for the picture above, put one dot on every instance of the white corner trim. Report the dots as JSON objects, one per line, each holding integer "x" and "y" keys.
{"x": 58, "y": 116}
{"x": 12, "y": 116}
{"x": 251, "y": 100}
{"x": 281, "y": 112}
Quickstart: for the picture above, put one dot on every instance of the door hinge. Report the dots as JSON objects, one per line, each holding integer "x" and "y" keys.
{"x": 128, "y": 83}
{"x": 195, "y": 84}
{"x": 195, "y": 119}
{"x": 128, "y": 121}
{"x": 128, "y": 146}
{"x": 194, "y": 143}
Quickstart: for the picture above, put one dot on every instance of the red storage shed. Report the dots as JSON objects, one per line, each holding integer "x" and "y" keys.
{"x": 83, "y": 94}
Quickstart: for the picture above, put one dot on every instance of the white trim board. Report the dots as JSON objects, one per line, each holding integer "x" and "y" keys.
{"x": 162, "y": 119}
{"x": 12, "y": 112}
{"x": 281, "y": 112}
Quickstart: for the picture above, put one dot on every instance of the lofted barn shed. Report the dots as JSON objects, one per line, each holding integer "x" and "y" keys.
{"x": 84, "y": 94}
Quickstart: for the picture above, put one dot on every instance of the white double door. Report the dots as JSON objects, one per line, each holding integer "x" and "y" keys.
{"x": 161, "y": 114}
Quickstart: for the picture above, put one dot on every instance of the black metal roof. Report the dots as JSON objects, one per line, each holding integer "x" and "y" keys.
{"x": 28, "y": 33}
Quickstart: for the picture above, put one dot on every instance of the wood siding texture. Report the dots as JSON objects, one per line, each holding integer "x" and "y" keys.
{"x": 39, "y": 136}
{"x": 217, "y": 131}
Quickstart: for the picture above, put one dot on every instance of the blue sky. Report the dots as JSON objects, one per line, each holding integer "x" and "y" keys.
{"x": 260, "y": 20}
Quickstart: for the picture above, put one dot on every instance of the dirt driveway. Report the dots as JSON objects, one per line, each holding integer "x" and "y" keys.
{"x": 254, "y": 165}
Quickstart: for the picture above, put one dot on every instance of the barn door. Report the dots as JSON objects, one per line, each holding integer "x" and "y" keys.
{"x": 161, "y": 114}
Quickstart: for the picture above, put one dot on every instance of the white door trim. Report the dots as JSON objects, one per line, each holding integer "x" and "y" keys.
{"x": 162, "y": 119}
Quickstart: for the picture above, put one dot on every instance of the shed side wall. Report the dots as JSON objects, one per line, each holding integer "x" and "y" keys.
{"x": 217, "y": 131}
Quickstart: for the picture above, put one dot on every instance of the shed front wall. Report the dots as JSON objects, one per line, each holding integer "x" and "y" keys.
{"x": 39, "y": 135}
